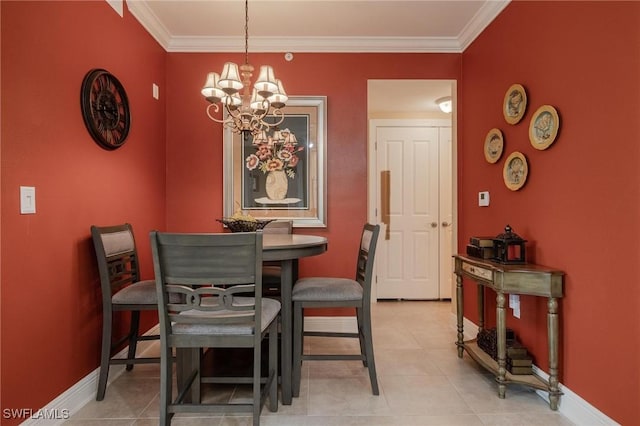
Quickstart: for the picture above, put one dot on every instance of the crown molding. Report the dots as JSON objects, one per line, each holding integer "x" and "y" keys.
{"x": 316, "y": 44}
{"x": 487, "y": 13}
{"x": 150, "y": 22}
{"x": 171, "y": 43}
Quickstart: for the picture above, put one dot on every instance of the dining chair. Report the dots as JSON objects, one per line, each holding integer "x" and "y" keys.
{"x": 271, "y": 271}
{"x": 122, "y": 290}
{"x": 219, "y": 280}
{"x": 330, "y": 292}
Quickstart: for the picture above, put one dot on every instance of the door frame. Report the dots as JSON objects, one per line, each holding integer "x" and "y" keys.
{"x": 373, "y": 184}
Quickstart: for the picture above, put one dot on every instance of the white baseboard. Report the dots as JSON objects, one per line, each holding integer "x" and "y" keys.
{"x": 571, "y": 405}
{"x": 574, "y": 408}
{"x": 77, "y": 396}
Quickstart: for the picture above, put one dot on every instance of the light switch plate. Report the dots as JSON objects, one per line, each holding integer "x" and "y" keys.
{"x": 27, "y": 200}
{"x": 483, "y": 198}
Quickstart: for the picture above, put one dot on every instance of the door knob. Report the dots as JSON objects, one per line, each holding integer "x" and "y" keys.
{"x": 445, "y": 224}
{"x": 434, "y": 224}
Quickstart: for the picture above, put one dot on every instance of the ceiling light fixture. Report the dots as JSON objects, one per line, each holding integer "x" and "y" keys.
{"x": 246, "y": 109}
{"x": 445, "y": 104}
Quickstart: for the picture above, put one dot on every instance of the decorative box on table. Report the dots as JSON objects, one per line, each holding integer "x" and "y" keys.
{"x": 480, "y": 247}
{"x": 509, "y": 247}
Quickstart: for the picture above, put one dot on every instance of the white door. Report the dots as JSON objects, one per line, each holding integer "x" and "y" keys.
{"x": 410, "y": 252}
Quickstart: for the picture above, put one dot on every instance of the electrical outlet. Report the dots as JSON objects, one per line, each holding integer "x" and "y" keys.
{"x": 514, "y": 303}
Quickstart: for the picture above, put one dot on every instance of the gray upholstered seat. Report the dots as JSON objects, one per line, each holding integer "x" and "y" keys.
{"x": 218, "y": 278}
{"x": 122, "y": 290}
{"x": 140, "y": 293}
{"x": 327, "y": 289}
{"x": 270, "y": 311}
{"x": 331, "y": 292}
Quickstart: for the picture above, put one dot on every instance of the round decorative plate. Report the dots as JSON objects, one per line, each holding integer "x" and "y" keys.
{"x": 493, "y": 145}
{"x": 515, "y": 104}
{"x": 515, "y": 171}
{"x": 544, "y": 126}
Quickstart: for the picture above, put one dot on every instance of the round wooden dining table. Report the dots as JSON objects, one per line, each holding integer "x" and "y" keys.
{"x": 287, "y": 249}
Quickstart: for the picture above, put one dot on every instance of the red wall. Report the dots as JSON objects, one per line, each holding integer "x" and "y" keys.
{"x": 580, "y": 206}
{"x": 194, "y": 160}
{"x": 51, "y": 306}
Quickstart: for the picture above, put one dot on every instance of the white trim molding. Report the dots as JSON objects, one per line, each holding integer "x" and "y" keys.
{"x": 571, "y": 405}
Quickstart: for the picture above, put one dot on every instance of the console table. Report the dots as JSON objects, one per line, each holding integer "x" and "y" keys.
{"x": 527, "y": 279}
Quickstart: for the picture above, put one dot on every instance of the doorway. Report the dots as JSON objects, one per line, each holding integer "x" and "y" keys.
{"x": 412, "y": 194}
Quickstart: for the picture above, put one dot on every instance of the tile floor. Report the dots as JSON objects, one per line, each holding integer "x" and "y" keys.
{"x": 422, "y": 382}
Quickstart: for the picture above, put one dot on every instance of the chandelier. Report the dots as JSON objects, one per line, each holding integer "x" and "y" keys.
{"x": 246, "y": 109}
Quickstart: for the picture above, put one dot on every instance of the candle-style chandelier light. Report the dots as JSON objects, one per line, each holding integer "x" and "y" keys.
{"x": 246, "y": 109}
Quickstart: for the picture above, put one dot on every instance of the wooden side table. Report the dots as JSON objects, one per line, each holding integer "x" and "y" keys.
{"x": 527, "y": 279}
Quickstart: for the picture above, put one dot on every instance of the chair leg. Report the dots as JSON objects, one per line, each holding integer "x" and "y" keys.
{"x": 105, "y": 355}
{"x": 257, "y": 361}
{"x": 371, "y": 364}
{"x": 298, "y": 331}
{"x": 361, "y": 337}
{"x": 273, "y": 366}
{"x": 166, "y": 382}
{"x": 133, "y": 337}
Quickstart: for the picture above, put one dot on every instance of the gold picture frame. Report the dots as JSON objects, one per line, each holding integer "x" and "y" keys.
{"x": 544, "y": 126}
{"x": 516, "y": 171}
{"x": 493, "y": 145}
{"x": 515, "y": 104}
{"x": 305, "y": 199}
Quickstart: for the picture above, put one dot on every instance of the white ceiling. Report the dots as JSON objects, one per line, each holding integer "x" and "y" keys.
{"x": 316, "y": 25}
{"x": 445, "y": 26}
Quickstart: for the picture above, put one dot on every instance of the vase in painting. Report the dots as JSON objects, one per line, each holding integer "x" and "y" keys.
{"x": 276, "y": 185}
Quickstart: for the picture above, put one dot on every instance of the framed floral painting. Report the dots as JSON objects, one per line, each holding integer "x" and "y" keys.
{"x": 280, "y": 174}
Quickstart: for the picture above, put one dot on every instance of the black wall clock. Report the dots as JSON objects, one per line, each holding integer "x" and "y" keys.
{"x": 105, "y": 108}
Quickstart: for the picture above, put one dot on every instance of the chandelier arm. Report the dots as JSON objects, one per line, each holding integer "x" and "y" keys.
{"x": 216, "y": 108}
{"x": 279, "y": 116}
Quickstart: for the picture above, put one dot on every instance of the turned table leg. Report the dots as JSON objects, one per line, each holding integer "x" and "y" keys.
{"x": 460, "y": 315}
{"x": 552, "y": 330}
{"x": 502, "y": 344}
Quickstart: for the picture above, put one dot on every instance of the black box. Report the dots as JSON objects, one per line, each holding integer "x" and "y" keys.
{"x": 480, "y": 252}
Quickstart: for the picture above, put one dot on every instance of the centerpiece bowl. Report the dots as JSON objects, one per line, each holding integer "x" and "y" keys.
{"x": 239, "y": 225}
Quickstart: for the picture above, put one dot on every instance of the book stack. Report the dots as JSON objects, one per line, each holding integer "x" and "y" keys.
{"x": 518, "y": 359}
{"x": 481, "y": 247}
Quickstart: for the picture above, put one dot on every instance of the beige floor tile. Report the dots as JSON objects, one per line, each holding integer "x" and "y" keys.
{"x": 126, "y": 398}
{"x": 101, "y": 422}
{"x": 525, "y": 419}
{"x": 385, "y": 337}
{"x": 345, "y": 397}
{"x": 423, "y": 395}
{"x": 422, "y": 382}
{"x": 404, "y": 362}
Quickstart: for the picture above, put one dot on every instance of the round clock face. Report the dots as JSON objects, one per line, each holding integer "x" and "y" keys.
{"x": 105, "y": 108}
